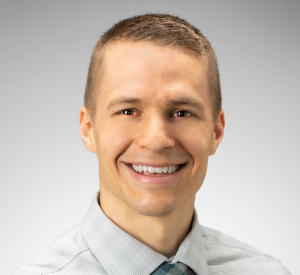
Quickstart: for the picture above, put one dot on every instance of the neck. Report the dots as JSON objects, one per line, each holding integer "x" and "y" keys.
{"x": 164, "y": 234}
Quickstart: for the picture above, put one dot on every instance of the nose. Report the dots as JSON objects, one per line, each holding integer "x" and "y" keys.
{"x": 155, "y": 133}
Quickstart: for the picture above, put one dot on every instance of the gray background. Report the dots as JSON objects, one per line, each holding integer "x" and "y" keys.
{"x": 48, "y": 178}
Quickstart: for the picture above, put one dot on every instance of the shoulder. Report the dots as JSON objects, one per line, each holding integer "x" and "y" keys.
{"x": 227, "y": 255}
{"x": 68, "y": 255}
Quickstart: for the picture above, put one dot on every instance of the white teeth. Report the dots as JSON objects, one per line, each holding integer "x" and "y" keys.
{"x": 140, "y": 168}
{"x": 158, "y": 170}
{"x": 151, "y": 169}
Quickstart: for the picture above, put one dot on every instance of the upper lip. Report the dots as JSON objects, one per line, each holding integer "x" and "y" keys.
{"x": 154, "y": 164}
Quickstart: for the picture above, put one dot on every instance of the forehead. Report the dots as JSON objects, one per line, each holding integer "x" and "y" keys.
{"x": 152, "y": 70}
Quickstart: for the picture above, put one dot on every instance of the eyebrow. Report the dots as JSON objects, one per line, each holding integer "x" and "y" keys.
{"x": 173, "y": 102}
{"x": 123, "y": 100}
{"x": 188, "y": 101}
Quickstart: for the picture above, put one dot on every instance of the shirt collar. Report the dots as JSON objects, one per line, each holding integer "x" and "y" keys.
{"x": 120, "y": 253}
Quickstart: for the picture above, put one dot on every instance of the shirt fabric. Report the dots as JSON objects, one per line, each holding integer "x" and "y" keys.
{"x": 98, "y": 246}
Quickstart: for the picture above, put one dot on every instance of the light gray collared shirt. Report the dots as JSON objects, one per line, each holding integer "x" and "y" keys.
{"x": 98, "y": 246}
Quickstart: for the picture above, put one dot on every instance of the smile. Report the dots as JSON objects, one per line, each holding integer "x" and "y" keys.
{"x": 150, "y": 173}
{"x": 152, "y": 170}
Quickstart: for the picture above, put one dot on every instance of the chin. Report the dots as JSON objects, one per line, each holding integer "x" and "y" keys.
{"x": 154, "y": 209}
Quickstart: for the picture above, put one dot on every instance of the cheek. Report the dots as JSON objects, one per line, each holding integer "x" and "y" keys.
{"x": 113, "y": 139}
{"x": 197, "y": 143}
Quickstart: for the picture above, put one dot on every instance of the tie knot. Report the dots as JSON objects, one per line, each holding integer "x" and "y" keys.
{"x": 171, "y": 269}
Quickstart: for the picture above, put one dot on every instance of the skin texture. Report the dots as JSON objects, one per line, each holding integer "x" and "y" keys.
{"x": 152, "y": 131}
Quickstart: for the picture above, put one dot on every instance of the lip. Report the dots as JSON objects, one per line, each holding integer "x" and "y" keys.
{"x": 163, "y": 178}
{"x": 154, "y": 165}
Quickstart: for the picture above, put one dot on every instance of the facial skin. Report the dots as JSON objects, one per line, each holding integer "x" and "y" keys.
{"x": 154, "y": 125}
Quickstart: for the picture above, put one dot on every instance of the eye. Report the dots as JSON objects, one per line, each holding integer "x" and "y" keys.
{"x": 182, "y": 113}
{"x": 127, "y": 112}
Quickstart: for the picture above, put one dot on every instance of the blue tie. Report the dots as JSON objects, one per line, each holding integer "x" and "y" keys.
{"x": 171, "y": 269}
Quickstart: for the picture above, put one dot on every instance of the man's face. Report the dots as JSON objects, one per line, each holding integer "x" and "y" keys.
{"x": 153, "y": 110}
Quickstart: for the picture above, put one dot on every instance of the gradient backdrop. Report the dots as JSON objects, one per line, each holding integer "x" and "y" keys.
{"x": 48, "y": 179}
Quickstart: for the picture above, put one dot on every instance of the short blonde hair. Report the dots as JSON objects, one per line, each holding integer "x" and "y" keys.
{"x": 161, "y": 29}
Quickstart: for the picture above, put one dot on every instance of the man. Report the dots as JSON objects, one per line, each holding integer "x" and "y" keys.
{"x": 153, "y": 116}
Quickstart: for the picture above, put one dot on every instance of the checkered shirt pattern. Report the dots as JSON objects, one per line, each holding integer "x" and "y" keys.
{"x": 99, "y": 247}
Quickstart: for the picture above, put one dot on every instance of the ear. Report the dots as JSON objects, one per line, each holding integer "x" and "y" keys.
{"x": 218, "y": 132}
{"x": 86, "y": 129}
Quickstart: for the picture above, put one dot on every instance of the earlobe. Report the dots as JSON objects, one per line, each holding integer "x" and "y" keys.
{"x": 86, "y": 129}
{"x": 218, "y": 132}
